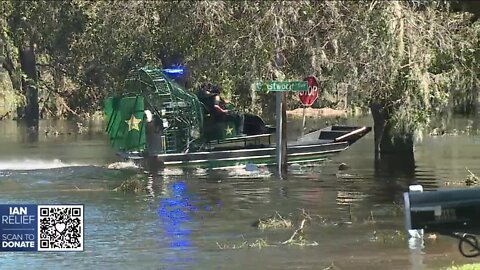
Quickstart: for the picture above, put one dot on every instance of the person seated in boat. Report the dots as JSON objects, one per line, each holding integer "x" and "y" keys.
{"x": 210, "y": 96}
{"x": 206, "y": 95}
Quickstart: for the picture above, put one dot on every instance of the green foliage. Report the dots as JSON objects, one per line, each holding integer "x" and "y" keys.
{"x": 417, "y": 62}
{"x": 388, "y": 54}
{"x": 9, "y": 98}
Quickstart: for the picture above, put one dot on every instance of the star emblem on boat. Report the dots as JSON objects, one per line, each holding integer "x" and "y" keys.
{"x": 229, "y": 131}
{"x": 133, "y": 123}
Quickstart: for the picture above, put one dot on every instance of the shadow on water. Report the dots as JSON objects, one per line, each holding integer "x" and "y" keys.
{"x": 400, "y": 171}
{"x": 28, "y": 131}
{"x": 389, "y": 165}
{"x": 392, "y": 175}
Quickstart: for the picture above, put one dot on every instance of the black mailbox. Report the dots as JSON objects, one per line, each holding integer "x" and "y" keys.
{"x": 443, "y": 211}
{"x": 450, "y": 212}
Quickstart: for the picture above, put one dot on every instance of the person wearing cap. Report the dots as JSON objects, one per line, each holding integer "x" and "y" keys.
{"x": 209, "y": 95}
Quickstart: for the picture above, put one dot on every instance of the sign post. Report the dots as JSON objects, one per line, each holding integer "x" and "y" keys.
{"x": 280, "y": 87}
{"x": 308, "y": 97}
{"x": 280, "y": 134}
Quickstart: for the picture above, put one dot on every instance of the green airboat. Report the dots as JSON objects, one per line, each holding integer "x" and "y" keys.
{"x": 157, "y": 120}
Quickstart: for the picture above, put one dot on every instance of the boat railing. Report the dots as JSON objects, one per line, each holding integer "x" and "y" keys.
{"x": 245, "y": 139}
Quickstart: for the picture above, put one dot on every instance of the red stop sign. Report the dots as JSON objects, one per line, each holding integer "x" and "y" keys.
{"x": 308, "y": 97}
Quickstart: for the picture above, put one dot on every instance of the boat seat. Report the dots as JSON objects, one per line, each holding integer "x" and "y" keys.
{"x": 206, "y": 111}
{"x": 331, "y": 134}
{"x": 215, "y": 129}
{"x": 344, "y": 128}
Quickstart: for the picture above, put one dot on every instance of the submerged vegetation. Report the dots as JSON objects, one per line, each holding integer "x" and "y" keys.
{"x": 471, "y": 179}
{"x": 406, "y": 62}
{"x": 273, "y": 222}
{"x": 278, "y": 222}
{"x": 132, "y": 185}
{"x": 301, "y": 220}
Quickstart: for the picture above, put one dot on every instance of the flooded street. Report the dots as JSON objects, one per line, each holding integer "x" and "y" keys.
{"x": 199, "y": 219}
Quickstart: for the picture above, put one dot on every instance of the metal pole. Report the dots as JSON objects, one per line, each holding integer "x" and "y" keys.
{"x": 303, "y": 122}
{"x": 281, "y": 127}
{"x": 284, "y": 135}
{"x": 281, "y": 158}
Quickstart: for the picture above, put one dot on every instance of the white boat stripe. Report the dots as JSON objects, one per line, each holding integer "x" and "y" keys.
{"x": 251, "y": 150}
{"x": 250, "y": 157}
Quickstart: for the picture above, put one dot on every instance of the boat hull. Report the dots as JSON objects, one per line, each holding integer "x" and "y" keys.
{"x": 312, "y": 147}
{"x": 241, "y": 157}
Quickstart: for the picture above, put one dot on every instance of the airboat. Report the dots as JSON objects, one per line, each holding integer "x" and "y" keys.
{"x": 156, "y": 120}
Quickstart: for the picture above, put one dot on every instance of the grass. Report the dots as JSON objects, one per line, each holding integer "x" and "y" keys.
{"x": 131, "y": 186}
{"x": 273, "y": 222}
{"x": 258, "y": 243}
{"x": 277, "y": 221}
{"x": 470, "y": 266}
{"x": 298, "y": 237}
{"x": 471, "y": 179}
{"x": 388, "y": 236}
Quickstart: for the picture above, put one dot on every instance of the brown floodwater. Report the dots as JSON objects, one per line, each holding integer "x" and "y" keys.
{"x": 200, "y": 219}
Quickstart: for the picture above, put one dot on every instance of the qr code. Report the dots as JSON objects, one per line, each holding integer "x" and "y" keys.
{"x": 60, "y": 228}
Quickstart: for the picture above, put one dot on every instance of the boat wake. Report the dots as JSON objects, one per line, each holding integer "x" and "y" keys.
{"x": 122, "y": 165}
{"x": 250, "y": 171}
{"x": 34, "y": 164}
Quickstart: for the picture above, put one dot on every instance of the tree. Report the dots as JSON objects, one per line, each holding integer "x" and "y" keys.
{"x": 21, "y": 21}
{"x": 404, "y": 62}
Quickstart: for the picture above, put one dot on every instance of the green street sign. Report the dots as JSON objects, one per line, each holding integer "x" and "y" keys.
{"x": 282, "y": 86}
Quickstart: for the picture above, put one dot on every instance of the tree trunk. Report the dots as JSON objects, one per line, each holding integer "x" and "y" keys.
{"x": 379, "y": 121}
{"x": 476, "y": 118}
{"x": 385, "y": 141}
{"x": 395, "y": 144}
{"x": 59, "y": 87}
{"x": 29, "y": 67}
